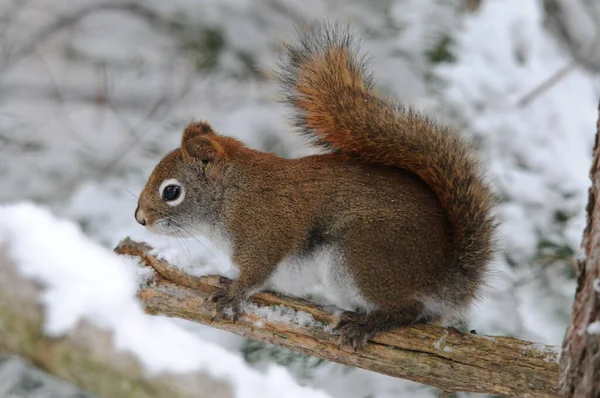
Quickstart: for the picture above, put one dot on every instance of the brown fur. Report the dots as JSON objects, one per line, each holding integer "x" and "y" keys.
{"x": 399, "y": 195}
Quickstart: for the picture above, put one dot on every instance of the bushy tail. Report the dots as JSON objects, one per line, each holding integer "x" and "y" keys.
{"x": 327, "y": 82}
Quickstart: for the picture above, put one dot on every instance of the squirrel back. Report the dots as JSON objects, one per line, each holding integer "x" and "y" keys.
{"x": 326, "y": 81}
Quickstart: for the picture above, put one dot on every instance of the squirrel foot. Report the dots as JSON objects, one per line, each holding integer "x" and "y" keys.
{"x": 356, "y": 328}
{"x": 226, "y": 305}
{"x": 352, "y": 330}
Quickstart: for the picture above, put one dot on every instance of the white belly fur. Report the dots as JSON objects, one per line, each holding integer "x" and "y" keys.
{"x": 299, "y": 275}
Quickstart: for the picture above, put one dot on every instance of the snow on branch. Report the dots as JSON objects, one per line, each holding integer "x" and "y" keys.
{"x": 441, "y": 357}
{"x": 87, "y": 356}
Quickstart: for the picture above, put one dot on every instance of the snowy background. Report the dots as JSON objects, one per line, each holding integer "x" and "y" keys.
{"x": 93, "y": 93}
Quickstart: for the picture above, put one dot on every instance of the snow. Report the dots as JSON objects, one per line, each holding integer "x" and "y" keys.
{"x": 283, "y": 314}
{"x": 552, "y": 353}
{"x": 83, "y": 280}
{"x": 594, "y": 328}
{"x": 442, "y": 341}
{"x": 596, "y": 285}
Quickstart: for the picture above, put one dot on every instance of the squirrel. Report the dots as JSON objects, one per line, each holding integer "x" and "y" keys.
{"x": 394, "y": 220}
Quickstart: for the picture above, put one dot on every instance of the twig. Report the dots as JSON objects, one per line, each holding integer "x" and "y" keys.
{"x": 546, "y": 84}
{"x": 441, "y": 357}
{"x": 563, "y": 72}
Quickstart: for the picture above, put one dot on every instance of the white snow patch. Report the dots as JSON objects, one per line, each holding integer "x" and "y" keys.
{"x": 442, "y": 341}
{"x": 551, "y": 353}
{"x": 144, "y": 276}
{"x": 283, "y": 314}
{"x": 594, "y": 328}
{"x": 85, "y": 281}
{"x": 596, "y": 285}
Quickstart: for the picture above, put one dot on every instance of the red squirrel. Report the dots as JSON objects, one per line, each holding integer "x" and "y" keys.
{"x": 394, "y": 220}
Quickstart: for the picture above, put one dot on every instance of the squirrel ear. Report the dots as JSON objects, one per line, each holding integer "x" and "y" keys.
{"x": 196, "y": 146}
{"x": 196, "y": 129}
{"x": 201, "y": 149}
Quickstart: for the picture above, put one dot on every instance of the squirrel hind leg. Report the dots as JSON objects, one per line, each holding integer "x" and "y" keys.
{"x": 356, "y": 328}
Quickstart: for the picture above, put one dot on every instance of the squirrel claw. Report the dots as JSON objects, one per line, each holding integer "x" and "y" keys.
{"x": 352, "y": 331}
{"x": 354, "y": 338}
{"x": 224, "y": 281}
{"x": 226, "y": 306}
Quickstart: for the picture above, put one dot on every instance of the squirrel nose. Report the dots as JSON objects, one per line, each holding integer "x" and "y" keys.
{"x": 139, "y": 216}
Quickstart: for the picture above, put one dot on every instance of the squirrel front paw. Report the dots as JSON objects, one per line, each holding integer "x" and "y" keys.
{"x": 227, "y": 305}
{"x": 352, "y": 331}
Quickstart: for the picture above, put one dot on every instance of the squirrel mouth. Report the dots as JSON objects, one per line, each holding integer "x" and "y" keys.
{"x": 140, "y": 216}
{"x": 164, "y": 227}
{"x": 160, "y": 227}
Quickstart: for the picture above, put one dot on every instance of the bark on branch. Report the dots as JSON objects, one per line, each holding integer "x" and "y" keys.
{"x": 441, "y": 357}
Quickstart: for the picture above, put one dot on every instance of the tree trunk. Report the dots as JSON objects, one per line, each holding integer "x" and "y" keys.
{"x": 580, "y": 360}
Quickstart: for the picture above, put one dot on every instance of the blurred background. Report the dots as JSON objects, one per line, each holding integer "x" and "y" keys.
{"x": 93, "y": 93}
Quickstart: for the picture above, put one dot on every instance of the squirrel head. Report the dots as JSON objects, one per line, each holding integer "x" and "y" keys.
{"x": 185, "y": 189}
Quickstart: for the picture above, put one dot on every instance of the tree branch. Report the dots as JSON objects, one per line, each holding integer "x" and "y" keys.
{"x": 441, "y": 357}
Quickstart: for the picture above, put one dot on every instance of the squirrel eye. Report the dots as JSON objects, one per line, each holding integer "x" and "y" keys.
{"x": 171, "y": 192}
